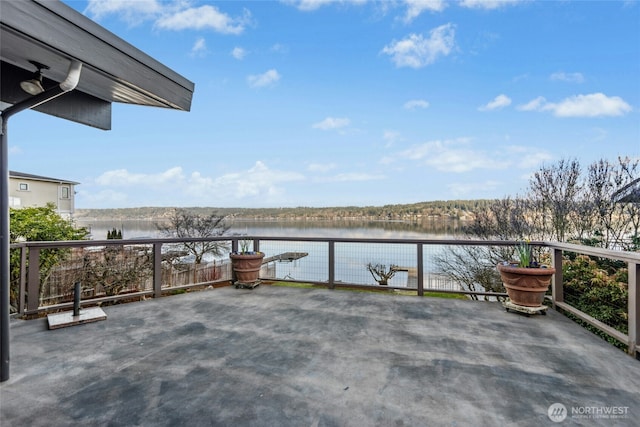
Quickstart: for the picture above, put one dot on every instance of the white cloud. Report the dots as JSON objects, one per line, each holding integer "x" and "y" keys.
{"x": 416, "y": 51}
{"x": 460, "y": 156}
{"x": 488, "y": 4}
{"x": 533, "y": 105}
{"x": 124, "y": 178}
{"x": 169, "y": 15}
{"x": 238, "y": 53}
{"x": 454, "y": 155}
{"x": 498, "y": 103}
{"x": 199, "y": 47}
{"x": 132, "y": 12}
{"x": 258, "y": 184}
{"x": 416, "y": 7}
{"x": 256, "y": 181}
{"x": 331, "y": 123}
{"x": 391, "y": 137}
{"x": 268, "y": 78}
{"x": 567, "y": 77}
{"x": 591, "y": 105}
{"x": 279, "y": 48}
{"x": 204, "y": 17}
{"x": 526, "y": 158}
{"x": 311, "y": 5}
{"x": 416, "y": 103}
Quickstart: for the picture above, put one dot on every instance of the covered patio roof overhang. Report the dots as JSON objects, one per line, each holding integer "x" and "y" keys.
{"x": 89, "y": 68}
{"x": 54, "y": 34}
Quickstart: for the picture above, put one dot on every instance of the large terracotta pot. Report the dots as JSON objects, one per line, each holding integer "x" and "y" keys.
{"x": 526, "y": 286}
{"x": 246, "y": 266}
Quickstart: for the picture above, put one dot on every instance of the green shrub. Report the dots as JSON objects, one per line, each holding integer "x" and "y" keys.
{"x": 593, "y": 286}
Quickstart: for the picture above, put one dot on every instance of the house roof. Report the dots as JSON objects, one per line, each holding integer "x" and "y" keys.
{"x": 22, "y": 175}
{"x": 54, "y": 34}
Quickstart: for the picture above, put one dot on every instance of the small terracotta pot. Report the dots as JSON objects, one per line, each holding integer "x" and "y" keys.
{"x": 526, "y": 286}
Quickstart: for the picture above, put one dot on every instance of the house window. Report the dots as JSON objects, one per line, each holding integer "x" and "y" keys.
{"x": 24, "y": 186}
{"x": 64, "y": 192}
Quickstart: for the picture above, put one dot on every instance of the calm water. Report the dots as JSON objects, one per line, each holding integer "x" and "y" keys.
{"x": 132, "y": 229}
{"x": 351, "y": 258}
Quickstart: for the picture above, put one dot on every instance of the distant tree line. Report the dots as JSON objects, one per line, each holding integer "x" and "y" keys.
{"x": 446, "y": 209}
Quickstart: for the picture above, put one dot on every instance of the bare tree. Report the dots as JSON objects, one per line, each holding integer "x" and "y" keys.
{"x": 508, "y": 218}
{"x": 184, "y": 224}
{"x": 562, "y": 205}
{"x": 473, "y": 267}
{"x": 556, "y": 189}
{"x": 613, "y": 222}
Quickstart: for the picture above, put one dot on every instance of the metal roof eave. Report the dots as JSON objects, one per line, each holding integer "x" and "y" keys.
{"x": 52, "y": 33}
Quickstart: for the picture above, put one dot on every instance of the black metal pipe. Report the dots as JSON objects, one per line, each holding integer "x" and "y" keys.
{"x": 67, "y": 85}
{"x": 4, "y": 252}
{"x": 76, "y": 300}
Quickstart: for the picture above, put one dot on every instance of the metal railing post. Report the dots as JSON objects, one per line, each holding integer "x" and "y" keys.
{"x": 557, "y": 287}
{"x": 420, "y": 268}
{"x": 332, "y": 264}
{"x": 33, "y": 281}
{"x": 634, "y": 308}
{"x": 77, "y": 291}
{"x": 22, "y": 292}
{"x": 157, "y": 270}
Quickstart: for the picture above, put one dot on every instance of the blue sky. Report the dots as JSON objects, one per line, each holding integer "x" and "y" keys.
{"x": 336, "y": 103}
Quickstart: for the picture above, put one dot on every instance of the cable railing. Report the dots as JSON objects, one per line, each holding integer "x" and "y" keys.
{"x": 598, "y": 288}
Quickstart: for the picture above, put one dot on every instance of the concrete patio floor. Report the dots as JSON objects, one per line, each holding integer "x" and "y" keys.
{"x": 276, "y": 356}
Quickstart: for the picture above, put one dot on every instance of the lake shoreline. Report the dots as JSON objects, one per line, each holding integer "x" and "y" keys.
{"x": 144, "y": 228}
{"x": 463, "y": 210}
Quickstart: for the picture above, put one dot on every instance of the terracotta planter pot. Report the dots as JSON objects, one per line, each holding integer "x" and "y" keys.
{"x": 246, "y": 267}
{"x": 526, "y": 286}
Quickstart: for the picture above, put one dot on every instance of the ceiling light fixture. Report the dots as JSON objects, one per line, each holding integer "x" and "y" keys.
{"x": 33, "y": 86}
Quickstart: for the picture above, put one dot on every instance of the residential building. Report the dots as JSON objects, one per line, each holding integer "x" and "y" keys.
{"x": 27, "y": 190}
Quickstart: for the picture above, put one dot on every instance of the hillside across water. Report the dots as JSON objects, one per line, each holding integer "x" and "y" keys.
{"x": 452, "y": 209}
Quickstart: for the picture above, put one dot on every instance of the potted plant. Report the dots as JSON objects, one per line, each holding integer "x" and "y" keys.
{"x": 525, "y": 280}
{"x": 246, "y": 265}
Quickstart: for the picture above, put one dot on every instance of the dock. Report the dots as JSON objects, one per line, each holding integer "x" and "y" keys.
{"x": 285, "y": 257}
{"x": 412, "y": 276}
{"x": 431, "y": 280}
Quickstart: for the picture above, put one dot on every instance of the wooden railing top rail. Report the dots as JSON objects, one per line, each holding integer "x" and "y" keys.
{"x": 600, "y": 252}
{"x": 148, "y": 241}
